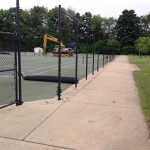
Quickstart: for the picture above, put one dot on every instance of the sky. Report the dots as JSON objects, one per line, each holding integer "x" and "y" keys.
{"x": 104, "y": 8}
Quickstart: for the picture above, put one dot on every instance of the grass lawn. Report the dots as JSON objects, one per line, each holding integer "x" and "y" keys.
{"x": 142, "y": 79}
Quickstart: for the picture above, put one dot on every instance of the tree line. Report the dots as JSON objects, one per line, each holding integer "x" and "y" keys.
{"x": 104, "y": 35}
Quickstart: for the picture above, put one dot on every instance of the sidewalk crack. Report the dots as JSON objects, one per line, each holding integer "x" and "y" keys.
{"x": 42, "y": 122}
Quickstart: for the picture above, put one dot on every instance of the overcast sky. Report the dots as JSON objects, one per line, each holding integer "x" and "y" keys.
{"x": 105, "y": 8}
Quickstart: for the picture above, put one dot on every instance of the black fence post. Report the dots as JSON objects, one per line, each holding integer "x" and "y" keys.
{"x": 86, "y": 59}
{"x": 59, "y": 55}
{"x": 76, "y": 68}
{"x": 16, "y": 69}
{"x": 111, "y": 54}
{"x": 19, "y": 101}
{"x": 87, "y": 53}
{"x": 103, "y": 59}
{"x": 114, "y": 53}
{"x": 93, "y": 54}
{"x": 98, "y": 61}
{"x": 106, "y": 55}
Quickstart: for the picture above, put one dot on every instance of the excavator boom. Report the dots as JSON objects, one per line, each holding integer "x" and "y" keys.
{"x": 63, "y": 49}
{"x": 51, "y": 38}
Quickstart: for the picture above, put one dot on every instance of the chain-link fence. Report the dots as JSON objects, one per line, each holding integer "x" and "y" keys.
{"x": 8, "y": 72}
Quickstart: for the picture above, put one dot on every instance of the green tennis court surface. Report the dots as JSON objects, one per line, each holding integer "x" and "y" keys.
{"x": 48, "y": 65}
{"x": 7, "y": 80}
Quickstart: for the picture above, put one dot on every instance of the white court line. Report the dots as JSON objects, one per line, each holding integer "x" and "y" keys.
{"x": 54, "y": 59}
{"x": 51, "y": 70}
{"x": 37, "y": 69}
{"x": 50, "y": 60}
{"x": 5, "y": 76}
{"x": 45, "y": 67}
{"x": 31, "y": 62}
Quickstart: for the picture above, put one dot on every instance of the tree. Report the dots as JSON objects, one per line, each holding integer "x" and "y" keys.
{"x": 52, "y": 26}
{"x": 113, "y": 45}
{"x": 39, "y": 19}
{"x": 2, "y": 18}
{"x": 97, "y": 25}
{"x": 8, "y": 19}
{"x": 53, "y": 22}
{"x": 69, "y": 26}
{"x": 95, "y": 30}
{"x": 85, "y": 27}
{"x": 108, "y": 27}
{"x": 100, "y": 46}
{"x": 145, "y": 23}
{"x": 143, "y": 45}
{"x": 128, "y": 30}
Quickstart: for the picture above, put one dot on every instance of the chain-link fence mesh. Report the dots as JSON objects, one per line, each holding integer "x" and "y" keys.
{"x": 7, "y": 69}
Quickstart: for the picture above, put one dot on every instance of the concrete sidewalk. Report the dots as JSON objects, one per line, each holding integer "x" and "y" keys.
{"x": 102, "y": 113}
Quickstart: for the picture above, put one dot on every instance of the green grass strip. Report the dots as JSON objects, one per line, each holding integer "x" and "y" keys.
{"x": 142, "y": 79}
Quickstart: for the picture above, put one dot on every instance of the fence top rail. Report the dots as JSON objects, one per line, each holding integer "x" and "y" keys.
{"x": 6, "y": 33}
{"x": 69, "y": 15}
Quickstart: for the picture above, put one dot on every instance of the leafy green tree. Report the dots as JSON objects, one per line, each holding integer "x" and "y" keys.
{"x": 145, "y": 23}
{"x": 97, "y": 26}
{"x": 97, "y": 31}
{"x": 108, "y": 27}
{"x": 69, "y": 26}
{"x": 85, "y": 27}
{"x": 53, "y": 22}
{"x": 107, "y": 46}
{"x": 39, "y": 16}
{"x": 26, "y": 32}
{"x": 128, "y": 30}
{"x": 39, "y": 24}
{"x": 8, "y": 19}
{"x": 100, "y": 46}
{"x": 2, "y": 18}
{"x": 143, "y": 45}
{"x": 113, "y": 45}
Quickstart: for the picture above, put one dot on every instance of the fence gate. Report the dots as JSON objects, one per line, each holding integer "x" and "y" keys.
{"x": 8, "y": 70}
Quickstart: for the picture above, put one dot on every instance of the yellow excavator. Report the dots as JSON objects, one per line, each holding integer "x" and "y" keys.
{"x": 64, "y": 51}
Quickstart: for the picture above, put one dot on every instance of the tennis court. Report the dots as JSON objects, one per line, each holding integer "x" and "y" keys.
{"x": 48, "y": 65}
{"x": 7, "y": 81}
